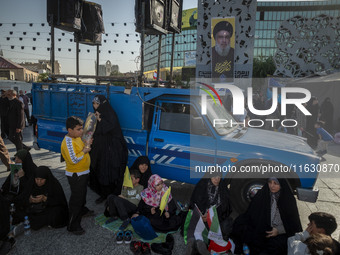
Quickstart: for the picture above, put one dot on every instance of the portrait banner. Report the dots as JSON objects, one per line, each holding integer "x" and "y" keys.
{"x": 223, "y": 49}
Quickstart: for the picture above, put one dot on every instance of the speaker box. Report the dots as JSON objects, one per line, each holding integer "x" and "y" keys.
{"x": 66, "y": 14}
{"x": 92, "y": 25}
{"x": 155, "y": 16}
{"x": 174, "y": 17}
{"x": 88, "y": 38}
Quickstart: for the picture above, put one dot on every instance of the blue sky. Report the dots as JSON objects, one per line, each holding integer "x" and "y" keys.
{"x": 24, "y": 12}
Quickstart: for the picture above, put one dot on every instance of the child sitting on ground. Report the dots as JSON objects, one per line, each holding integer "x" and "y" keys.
{"x": 316, "y": 244}
{"x": 150, "y": 203}
{"x": 124, "y": 205}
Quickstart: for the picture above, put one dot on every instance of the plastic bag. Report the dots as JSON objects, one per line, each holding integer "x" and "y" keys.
{"x": 143, "y": 228}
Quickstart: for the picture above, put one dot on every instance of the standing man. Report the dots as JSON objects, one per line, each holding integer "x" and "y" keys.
{"x": 24, "y": 99}
{"x": 16, "y": 120}
{"x": 4, "y": 156}
{"x": 222, "y": 52}
{"x": 4, "y": 105}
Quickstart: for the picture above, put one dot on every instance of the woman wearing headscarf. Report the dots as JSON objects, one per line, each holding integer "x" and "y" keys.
{"x": 108, "y": 151}
{"x": 6, "y": 242}
{"x": 313, "y": 108}
{"x": 270, "y": 219}
{"x": 142, "y": 163}
{"x": 213, "y": 191}
{"x": 327, "y": 114}
{"x": 44, "y": 201}
{"x": 150, "y": 202}
{"x": 11, "y": 190}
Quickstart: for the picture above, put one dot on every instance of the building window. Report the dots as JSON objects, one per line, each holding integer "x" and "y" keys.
{"x": 262, "y": 15}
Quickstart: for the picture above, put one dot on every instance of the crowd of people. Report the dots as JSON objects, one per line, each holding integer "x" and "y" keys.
{"x": 270, "y": 225}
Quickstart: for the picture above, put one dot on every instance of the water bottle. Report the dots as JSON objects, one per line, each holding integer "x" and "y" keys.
{"x": 246, "y": 249}
{"x": 27, "y": 226}
{"x": 11, "y": 213}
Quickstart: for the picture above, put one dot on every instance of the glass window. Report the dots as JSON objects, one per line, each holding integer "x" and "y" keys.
{"x": 175, "y": 117}
{"x": 181, "y": 118}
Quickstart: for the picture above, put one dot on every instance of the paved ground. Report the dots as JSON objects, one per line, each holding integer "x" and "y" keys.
{"x": 98, "y": 240}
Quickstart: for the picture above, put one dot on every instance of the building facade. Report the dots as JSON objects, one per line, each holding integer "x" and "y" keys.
{"x": 107, "y": 69}
{"x": 269, "y": 16}
{"x": 13, "y": 71}
{"x": 43, "y": 66}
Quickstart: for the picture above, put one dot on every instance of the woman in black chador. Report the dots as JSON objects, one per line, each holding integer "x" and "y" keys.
{"x": 270, "y": 219}
{"x": 142, "y": 164}
{"x": 327, "y": 114}
{"x": 11, "y": 190}
{"x": 108, "y": 151}
{"x": 44, "y": 201}
{"x": 313, "y": 108}
{"x": 213, "y": 191}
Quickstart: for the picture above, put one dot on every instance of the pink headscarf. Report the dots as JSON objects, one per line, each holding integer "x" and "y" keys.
{"x": 150, "y": 195}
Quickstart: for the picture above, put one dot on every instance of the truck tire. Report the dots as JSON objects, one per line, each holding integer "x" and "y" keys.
{"x": 242, "y": 191}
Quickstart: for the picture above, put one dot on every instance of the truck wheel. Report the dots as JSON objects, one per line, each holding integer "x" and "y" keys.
{"x": 242, "y": 191}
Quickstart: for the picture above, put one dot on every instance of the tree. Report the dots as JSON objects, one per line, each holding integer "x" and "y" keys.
{"x": 263, "y": 67}
{"x": 116, "y": 73}
{"x": 43, "y": 77}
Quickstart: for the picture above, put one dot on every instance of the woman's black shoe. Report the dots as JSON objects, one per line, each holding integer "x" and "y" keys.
{"x": 160, "y": 249}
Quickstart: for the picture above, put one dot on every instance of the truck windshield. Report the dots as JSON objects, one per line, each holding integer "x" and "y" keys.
{"x": 222, "y": 121}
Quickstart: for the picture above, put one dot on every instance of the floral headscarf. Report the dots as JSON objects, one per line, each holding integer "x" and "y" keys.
{"x": 150, "y": 195}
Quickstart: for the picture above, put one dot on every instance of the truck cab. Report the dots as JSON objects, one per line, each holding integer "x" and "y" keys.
{"x": 182, "y": 143}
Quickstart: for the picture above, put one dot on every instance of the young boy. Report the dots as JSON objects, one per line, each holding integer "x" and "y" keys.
{"x": 324, "y": 139}
{"x": 319, "y": 223}
{"x": 76, "y": 155}
{"x": 126, "y": 203}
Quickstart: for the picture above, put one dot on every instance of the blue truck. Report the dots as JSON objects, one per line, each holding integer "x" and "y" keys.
{"x": 167, "y": 125}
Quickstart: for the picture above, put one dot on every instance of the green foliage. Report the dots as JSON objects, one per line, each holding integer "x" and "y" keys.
{"x": 43, "y": 77}
{"x": 263, "y": 67}
{"x": 116, "y": 74}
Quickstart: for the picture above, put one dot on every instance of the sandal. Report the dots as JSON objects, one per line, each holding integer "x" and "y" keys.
{"x": 136, "y": 247}
{"x": 146, "y": 248}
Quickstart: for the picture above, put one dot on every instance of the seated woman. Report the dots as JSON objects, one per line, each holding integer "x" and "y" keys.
{"x": 212, "y": 191}
{"x": 11, "y": 189}
{"x": 150, "y": 202}
{"x": 142, "y": 163}
{"x": 270, "y": 219}
{"x": 6, "y": 242}
{"x": 44, "y": 201}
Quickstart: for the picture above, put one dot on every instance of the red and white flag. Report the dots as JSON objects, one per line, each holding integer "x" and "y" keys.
{"x": 217, "y": 243}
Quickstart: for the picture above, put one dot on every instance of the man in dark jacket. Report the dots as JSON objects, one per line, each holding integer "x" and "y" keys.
{"x": 16, "y": 120}
{"x": 4, "y": 105}
{"x": 24, "y": 99}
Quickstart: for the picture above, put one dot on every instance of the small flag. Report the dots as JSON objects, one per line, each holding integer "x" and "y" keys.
{"x": 217, "y": 243}
{"x": 127, "y": 178}
{"x": 194, "y": 226}
{"x": 164, "y": 200}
